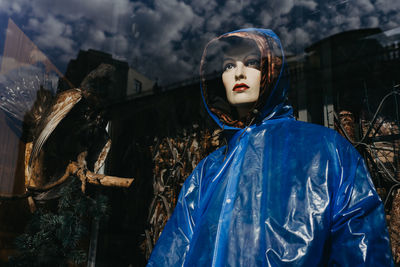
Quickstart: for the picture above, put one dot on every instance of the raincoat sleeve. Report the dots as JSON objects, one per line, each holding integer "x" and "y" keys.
{"x": 173, "y": 243}
{"x": 359, "y": 235}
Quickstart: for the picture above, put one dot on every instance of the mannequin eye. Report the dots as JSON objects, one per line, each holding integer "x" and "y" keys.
{"x": 228, "y": 66}
{"x": 253, "y": 63}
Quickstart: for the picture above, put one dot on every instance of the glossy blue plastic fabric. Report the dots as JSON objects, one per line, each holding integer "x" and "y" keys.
{"x": 283, "y": 193}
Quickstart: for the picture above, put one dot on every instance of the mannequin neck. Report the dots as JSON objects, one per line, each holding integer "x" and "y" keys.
{"x": 243, "y": 109}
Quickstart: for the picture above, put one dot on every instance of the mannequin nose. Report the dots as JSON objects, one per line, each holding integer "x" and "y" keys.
{"x": 240, "y": 72}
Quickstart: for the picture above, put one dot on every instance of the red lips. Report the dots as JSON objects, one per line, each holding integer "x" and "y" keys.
{"x": 239, "y": 87}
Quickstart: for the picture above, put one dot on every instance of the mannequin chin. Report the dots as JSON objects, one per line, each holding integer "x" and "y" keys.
{"x": 242, "y": 76}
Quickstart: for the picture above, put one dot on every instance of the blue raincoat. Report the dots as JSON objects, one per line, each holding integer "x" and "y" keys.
{"x": 281, "y": 193}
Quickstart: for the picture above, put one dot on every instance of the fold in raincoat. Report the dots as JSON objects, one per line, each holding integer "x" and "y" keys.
{"x": 281, "y": 193}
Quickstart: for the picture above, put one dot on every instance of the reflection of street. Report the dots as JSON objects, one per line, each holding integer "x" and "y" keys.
{"x": 346, "y": 82}
{"x": 155, "y": 140}
{"x": 24, "y": 71}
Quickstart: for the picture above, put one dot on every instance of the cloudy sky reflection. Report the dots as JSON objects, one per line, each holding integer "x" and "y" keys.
{"x": 164, "y": 39}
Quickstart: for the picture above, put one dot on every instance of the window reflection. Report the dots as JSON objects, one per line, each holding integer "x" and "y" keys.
{"x": 343, "y": 59}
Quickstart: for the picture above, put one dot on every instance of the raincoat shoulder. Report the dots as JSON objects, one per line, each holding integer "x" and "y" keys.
{"x": 173, "y": 244}
{"x": 355, "y": 231}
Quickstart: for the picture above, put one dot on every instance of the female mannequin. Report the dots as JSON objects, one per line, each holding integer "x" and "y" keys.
{"x": 281, "y": 192}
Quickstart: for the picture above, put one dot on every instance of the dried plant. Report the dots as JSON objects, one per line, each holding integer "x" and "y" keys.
{"x": 174, "y": 159}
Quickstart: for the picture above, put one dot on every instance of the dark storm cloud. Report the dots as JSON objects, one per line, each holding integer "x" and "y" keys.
{"x": 159, "y": 31}
{"x": 165, "y": 38}
{"x": 64, "y": 27}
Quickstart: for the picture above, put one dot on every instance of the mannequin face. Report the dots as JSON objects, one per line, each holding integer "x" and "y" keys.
{"x": 241, "y": 74}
